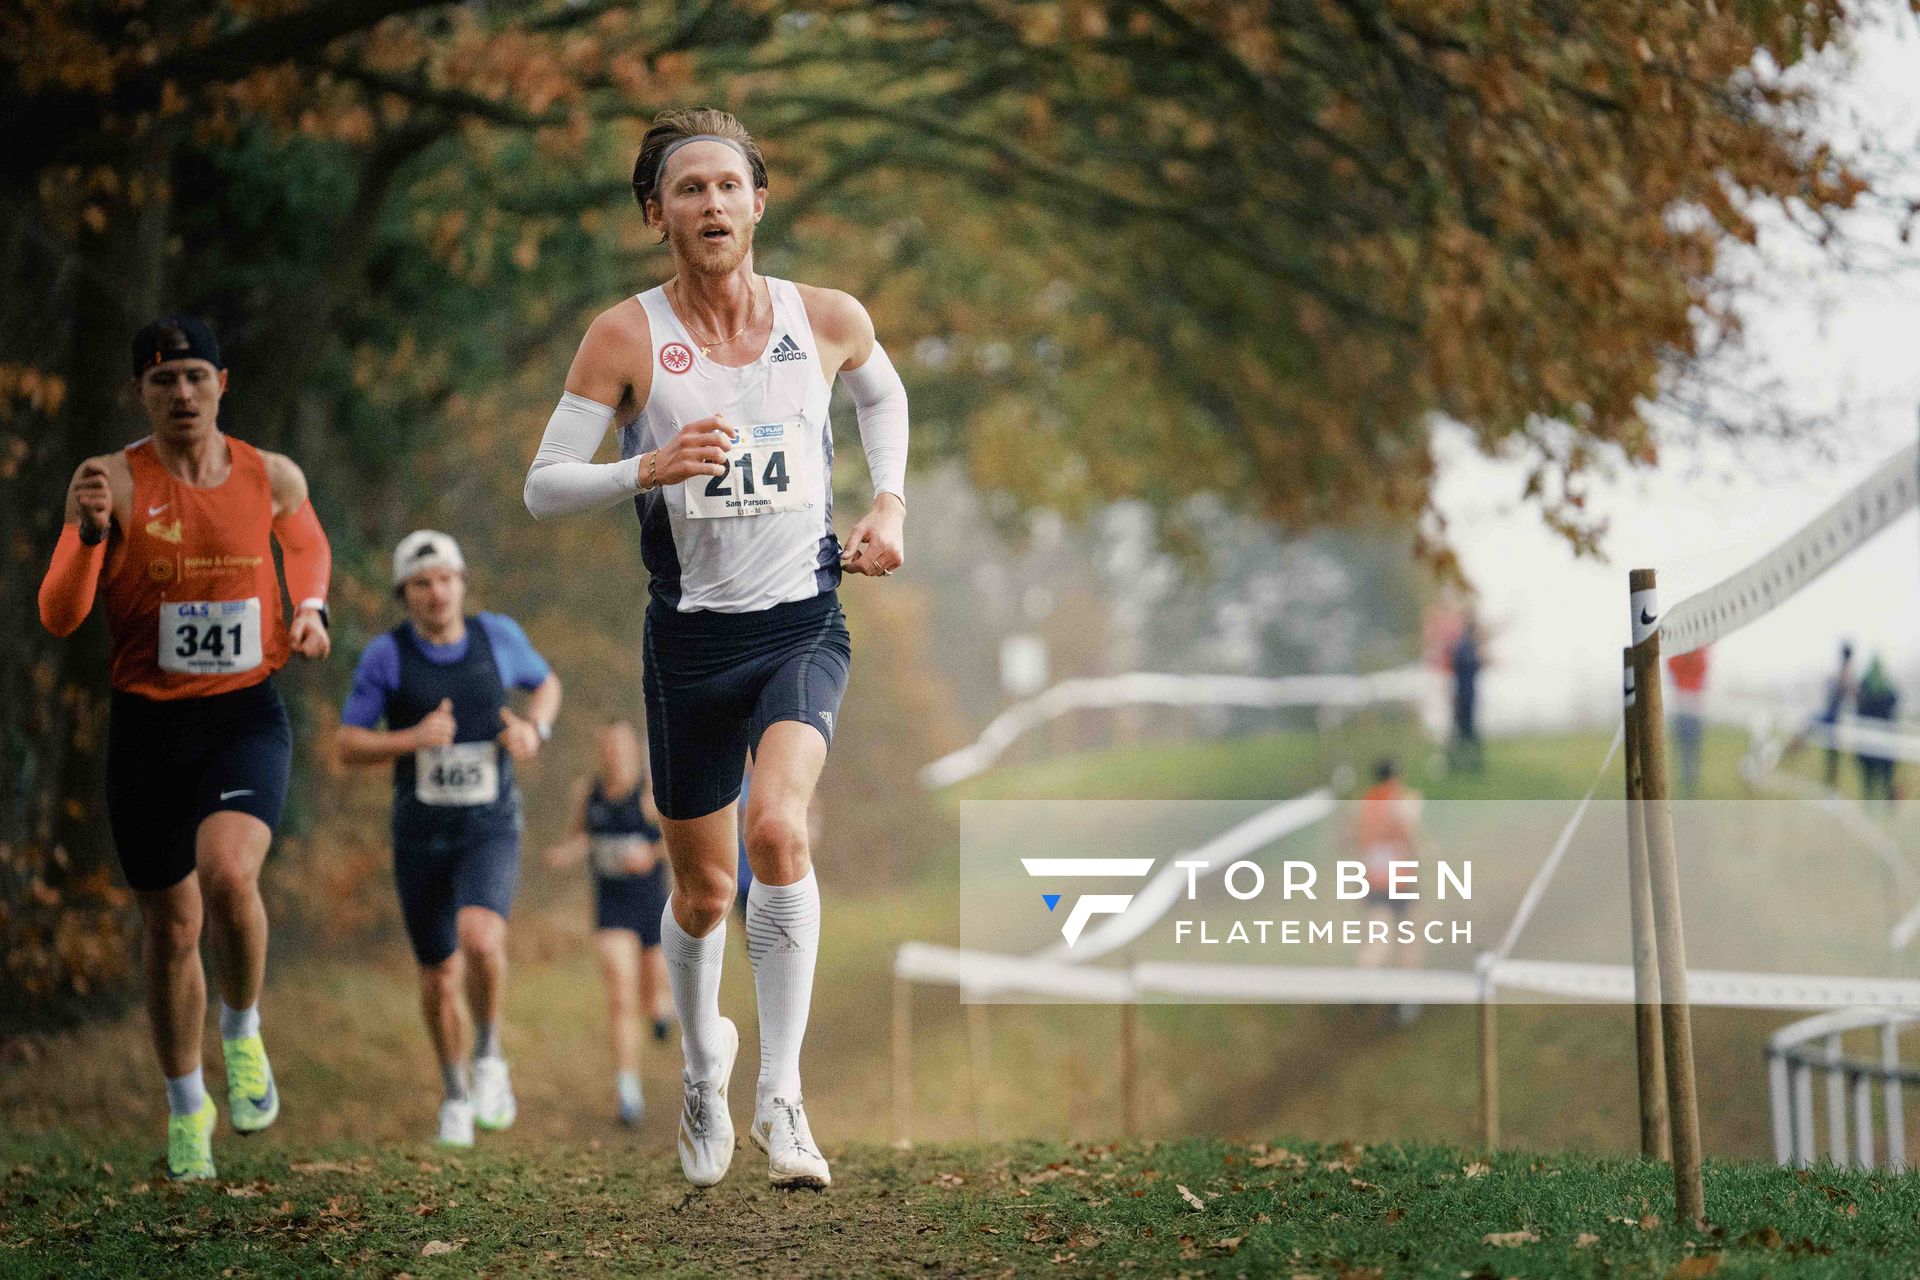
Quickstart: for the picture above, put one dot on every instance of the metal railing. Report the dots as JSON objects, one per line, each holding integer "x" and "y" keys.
{"x": 1797, "y": 1051}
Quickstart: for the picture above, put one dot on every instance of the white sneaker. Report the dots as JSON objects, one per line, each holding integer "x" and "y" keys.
{"x": 706, "y": 1126}
{"x": 456, "y": 1123}
{"x": 793, "y": 1159}
{"x": 493, "y": 1104}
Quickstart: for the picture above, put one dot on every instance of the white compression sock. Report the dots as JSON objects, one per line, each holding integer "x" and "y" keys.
{"x": 783, "y": 941}
{"x": 238, "y": 1024}
{"x": 188, "y": 1093}
{"x": 693, "y": 971}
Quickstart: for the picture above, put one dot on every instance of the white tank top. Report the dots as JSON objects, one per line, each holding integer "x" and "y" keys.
{"x": 762, "y": 534}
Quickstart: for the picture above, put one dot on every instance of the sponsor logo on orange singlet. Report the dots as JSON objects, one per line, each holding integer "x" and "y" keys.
{"x": 160, "y": 569}
{"x": 165, "y": 532}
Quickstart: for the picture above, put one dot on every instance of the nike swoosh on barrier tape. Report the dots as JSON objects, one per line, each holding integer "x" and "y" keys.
{"x": 244, "y": 791}
{"x": 1646, "y": 619}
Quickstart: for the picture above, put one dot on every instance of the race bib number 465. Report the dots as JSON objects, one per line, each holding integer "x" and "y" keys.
{"x": 210, "y": 637}
{"x": 461, "y": 773}
{"x": 770, "y": 468}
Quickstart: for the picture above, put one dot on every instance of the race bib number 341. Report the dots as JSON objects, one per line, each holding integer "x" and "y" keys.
{"x": 461, "y": 774}
{"x": 210, "y": 637}
{"x": 770, "y": 468}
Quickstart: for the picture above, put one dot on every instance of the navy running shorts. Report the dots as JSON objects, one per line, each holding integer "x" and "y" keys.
{"x": 441, "y": 872}
{"x": 715, "y": 681}
{"x": 632, "y": 902}
{"x": 171, "y": 763}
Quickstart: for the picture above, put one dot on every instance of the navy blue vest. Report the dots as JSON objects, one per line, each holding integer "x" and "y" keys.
{"x": 623, "y": 817}
{"x": 478, "y": 694}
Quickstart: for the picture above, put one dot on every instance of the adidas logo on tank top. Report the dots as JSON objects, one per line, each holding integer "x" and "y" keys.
{"x": 787, "y": 349}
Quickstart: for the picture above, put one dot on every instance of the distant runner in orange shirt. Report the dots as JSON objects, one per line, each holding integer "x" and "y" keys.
{"x": 179, "y": 528}
{"x": 1386, "y": 831}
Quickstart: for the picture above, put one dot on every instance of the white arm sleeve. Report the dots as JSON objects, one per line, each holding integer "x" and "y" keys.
{"x": 880, "y": 404}
{"x": 563, "y": 477}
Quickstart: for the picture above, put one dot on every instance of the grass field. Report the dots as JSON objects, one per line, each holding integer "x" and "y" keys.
{"x": 346, "y": 1179}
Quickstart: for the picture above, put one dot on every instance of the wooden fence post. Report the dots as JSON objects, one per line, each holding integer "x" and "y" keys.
{"x": 1676, "y": 1022}
{"x": 1655, "y": 1141}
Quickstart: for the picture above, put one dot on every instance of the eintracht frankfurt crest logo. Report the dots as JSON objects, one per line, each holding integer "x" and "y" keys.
{"x": 675, "y": 358}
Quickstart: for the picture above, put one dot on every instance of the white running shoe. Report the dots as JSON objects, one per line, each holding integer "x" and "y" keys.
{"x": 793, "y": 1159}
{"x": 456, "y": 1123}
{"x": 493, "y": 1104}
{"x": 706, "y": 1126}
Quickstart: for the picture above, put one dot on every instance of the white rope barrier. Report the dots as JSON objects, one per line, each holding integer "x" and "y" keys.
{"x": 1402, "y": 684}
{"x": 1869, "y": 507}
{"x": 1530, "y": 900}
{"x": 1558, "y": 980}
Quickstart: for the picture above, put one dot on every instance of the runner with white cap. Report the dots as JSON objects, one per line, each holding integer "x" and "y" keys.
{"x": 441, "y": 680}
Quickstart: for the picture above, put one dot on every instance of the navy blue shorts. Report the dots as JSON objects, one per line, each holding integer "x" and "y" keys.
{"x": 715, "y": 681}
{"x": 440, "y": 872}
{"x": 170, "y": 764}
{"x": 632, "y": 902}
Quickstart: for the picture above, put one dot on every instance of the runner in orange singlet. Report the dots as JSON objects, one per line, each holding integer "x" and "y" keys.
{"x": 179, "y": 528}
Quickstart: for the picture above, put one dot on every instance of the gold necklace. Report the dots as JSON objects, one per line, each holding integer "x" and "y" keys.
{"x": 753, "y": 300}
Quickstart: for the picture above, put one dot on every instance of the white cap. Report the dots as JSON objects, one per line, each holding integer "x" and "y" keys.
{"x": 425, "y": 549}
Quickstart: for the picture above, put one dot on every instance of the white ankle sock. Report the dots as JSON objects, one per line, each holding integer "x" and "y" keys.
{"x": 238, "y": 1024}
{"x": 693, "y": 971}
{"x": 783, "y": 941}
{"x": 186, "y": 1094}
{"x": 627, "y": 1085}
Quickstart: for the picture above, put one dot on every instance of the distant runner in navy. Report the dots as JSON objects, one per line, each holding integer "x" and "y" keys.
{"x": 441, "y": 682}
{"x": 617, "y": 829}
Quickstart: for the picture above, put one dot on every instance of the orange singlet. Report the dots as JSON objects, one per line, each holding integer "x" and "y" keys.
{"x": 193, "y": 602}
{"x": 1382, "y": 831}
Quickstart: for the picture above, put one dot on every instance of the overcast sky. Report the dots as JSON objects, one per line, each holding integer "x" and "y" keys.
{"x": 1707, "y": 512}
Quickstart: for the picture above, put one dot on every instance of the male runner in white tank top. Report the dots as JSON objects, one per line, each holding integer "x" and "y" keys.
{"x": 719, "y": 383}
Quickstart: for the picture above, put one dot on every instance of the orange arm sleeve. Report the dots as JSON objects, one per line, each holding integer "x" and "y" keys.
{"x": 66, "y": 594}
{"x": 308, "y": 557}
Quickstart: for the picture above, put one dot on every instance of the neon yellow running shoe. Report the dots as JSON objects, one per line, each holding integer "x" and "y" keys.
{"x": 252, "y": 1099}
{"x": 190, "y": 1144}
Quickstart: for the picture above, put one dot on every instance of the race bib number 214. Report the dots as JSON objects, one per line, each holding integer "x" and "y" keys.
{"x": 769, "y": 469}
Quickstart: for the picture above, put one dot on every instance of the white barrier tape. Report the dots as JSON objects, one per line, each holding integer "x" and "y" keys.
{"x": 1858, "y": 737}
{"x": 1160, "y": 893}
{"x": 1402, "y": 684}
{"x": 1822, "y": 1025}
{"x": 969, "y": 970}
{"x": 1530, "y": 900}
{"x": 1869, "y": 507}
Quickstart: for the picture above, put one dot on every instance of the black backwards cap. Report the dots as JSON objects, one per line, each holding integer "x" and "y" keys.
{"x": 174, "y": 338}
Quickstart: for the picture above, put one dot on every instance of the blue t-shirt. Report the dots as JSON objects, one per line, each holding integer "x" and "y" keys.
{"x": 378, "y": 675}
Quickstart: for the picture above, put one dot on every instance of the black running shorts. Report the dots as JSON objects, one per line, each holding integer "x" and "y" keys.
{"x": 172, "y": 763}
{"x": 715, "y": 681}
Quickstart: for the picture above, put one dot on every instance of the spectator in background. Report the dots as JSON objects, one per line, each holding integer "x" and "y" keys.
{"x": 1688, "y": 672}
{"x": 1465, "y": 753}
{"x": 1876, "y": 700}
{"x": 1840, "y": 692}
{"x": 1386, "y": 831}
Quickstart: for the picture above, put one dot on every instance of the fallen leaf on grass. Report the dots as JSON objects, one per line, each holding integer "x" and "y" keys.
{"x": 1766, "y": 1237}
{"x": 1198, "y": 1205}
{"x": 949, "y": 1180}
{"x": 1585, "y": 1239}
{"x": 1228, "y": 1244}
{"x": 1476, "y": 1170}
{"x": 1693, "y": 1268}
{"x": 434, "y": 1248}
{"x": 1394, "y": 1215}
{"x": 1278, "y": 1158}
{"x": 331, "y": 1166}
{"x": 1360, "y": 1185}
{"x": 1508, "y": 1239}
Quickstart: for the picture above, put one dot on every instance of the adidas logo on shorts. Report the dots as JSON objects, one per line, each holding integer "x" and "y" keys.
{"x": 787, "y": 349}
